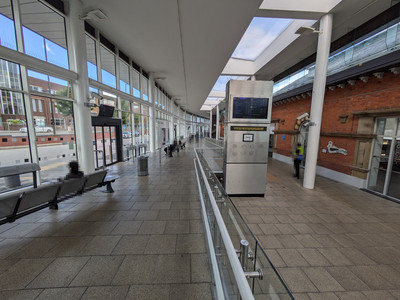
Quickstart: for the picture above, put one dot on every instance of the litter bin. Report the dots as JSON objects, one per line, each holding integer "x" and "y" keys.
{"x": 12, "y": 181}
{"x": 142, "y": 165}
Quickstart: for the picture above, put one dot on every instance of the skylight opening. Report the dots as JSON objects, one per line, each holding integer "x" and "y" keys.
{"x": 258, "y": 36}
{"x": 220, "y": 85}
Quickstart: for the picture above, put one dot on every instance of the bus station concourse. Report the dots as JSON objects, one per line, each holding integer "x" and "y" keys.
{"x": 199, "y": 149}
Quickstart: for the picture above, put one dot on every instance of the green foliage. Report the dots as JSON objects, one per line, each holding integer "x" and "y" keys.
{"x": 15, "y": 122}
{"x": 64, "y": 107}
{"x": 67, "y": 92}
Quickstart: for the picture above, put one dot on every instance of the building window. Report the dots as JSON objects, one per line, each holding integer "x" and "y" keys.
{"x": 39, "y": 41}
{"x": 91, "y": 58}
{"x": 384, "y": 173}
{"x": 145, "y": 83}
{"x": 136, "y": 84}
{"x": 7, "y": 29}
{"x": 124, "y": 85}
{"x": 108, "y": 67}
{"x": 48, "y": 84}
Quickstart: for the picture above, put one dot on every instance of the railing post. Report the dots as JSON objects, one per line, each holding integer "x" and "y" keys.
{"x": 244, "y": 253}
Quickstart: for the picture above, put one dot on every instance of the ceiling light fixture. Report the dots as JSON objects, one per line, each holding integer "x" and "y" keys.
{"x": 305, "y": 30}
{"x": 95, "y": 15}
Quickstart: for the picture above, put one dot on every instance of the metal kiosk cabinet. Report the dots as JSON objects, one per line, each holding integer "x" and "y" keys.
{"x": 247, "y": 130}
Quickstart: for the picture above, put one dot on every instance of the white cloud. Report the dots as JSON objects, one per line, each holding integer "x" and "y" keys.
{"x": 258, "y": 36}
{"x": 49, "y": 50}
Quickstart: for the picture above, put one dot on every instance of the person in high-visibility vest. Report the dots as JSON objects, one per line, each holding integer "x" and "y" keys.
{"x": 297, "y": 158}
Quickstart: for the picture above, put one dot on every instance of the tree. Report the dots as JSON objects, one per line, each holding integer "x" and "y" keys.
{"x": 64, "y": 107}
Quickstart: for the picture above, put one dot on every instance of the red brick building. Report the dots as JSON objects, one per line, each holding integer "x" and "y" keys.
{"x": 349, "y": 121}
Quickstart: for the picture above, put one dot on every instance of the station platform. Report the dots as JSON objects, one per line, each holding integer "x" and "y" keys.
{"x": 146, "y": 240}
{"x": 333, "y": 242}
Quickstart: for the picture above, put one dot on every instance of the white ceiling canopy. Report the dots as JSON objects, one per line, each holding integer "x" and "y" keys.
{"x": 258, "y": 36}
{"x": 190, "y": 42}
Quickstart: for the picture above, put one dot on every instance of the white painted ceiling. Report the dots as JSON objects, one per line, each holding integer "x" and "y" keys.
{"x": 189, "y": 42}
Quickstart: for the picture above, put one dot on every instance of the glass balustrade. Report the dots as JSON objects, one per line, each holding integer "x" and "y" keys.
{"x": 259, "y": 274}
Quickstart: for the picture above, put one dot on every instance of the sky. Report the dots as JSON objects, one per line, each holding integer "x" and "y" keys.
{"x": 223, "y": 80}
{"x": 258, "y": 36}
{"x": 260, "y": 33}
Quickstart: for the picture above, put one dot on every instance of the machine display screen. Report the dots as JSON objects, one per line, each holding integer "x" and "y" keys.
{"x": 250, "y": 108}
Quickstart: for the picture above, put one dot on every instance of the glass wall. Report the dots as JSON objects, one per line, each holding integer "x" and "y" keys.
{"x": 145, "y": 125}
{"x": 39, "y": 41}
{"x": 136, "y": 83}
{"x": 91, "y": 57}
{"x": 14, "y": 143}
{"x": 384, "y": 176}
{"x": 124, "y": 85}
{"x": 7, "y": 32}
{"x": 52, "y": 119}
{"x": 379, "y": 44}
{"x": 127, "y": 128}
{"x": 51, "y": 115}
{"x": 145, "y": 94}
{"x": 138, "y": 122}
{"x": 54, "y": 129}
{"x": 108, "y": 67}
{"x": 39, "y": 82}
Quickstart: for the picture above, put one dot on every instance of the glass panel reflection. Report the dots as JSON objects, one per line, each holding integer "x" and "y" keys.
{"x": 7, "y": 30}
{"x": 54, "y": 128}
{"x": 108, "y": 67}
{"x": 39, "y": 41}
{"x": 91, "y": 58}
{"x": 271, "y": 285}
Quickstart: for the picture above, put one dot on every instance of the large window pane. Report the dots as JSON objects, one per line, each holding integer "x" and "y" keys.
{"x": 127, "y": 133}
{"x": 136, "y": 84}
{"x": 145, "y": 126}
{"x": 156, "y": 97}
{"x": 44, "y": 33}
{"x": 10, "y": 75}
{"x": 136, "y": 108}
{"x": 7, "y": 29}
{"x": 54, "y": 127}
{"x": 33, "y": 44}
{"x": 14, "y": 143}
{"x": 108, "y": 67}
{"x": 47, "y": 84}
{"x": 124, "y": 77}
{"x": 145, "y": 95}
{"x": 385, "y": 126}
{"x": 91, "y": 58}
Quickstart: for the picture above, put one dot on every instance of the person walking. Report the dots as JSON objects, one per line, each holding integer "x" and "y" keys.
{"x": 297, "y": 158}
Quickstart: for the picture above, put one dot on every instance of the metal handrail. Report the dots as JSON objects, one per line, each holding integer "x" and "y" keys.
{"x": 241, "y": 281}
{"x": 214, "y": 264}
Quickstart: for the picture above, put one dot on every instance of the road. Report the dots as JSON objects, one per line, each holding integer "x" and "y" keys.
{"x": 53, "y": 161}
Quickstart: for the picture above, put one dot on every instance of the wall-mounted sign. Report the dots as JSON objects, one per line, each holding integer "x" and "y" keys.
{"x": 283, "y": 136}
{"x": 335, "y": 150}
{"x": 248, "y": 137}
{"x": 248, "y": 128}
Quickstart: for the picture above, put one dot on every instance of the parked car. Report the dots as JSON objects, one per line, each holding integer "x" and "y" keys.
{"x": 37, "y": 129}
{"x": 126, "y": 134}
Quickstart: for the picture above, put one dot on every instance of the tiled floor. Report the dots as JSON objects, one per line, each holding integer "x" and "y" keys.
{"x": 333, "y": 242}
{"x": 145, "y": 241}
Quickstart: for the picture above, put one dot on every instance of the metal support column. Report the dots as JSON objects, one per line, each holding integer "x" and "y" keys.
{"x": 152, "y": 113}
{"x": 217, "y": 123}
{"x": 77, "y": 53}
{"x": 317, "y": 102}
{"x": 210, "y": 130}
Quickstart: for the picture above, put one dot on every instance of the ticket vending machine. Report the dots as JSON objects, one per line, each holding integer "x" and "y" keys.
{"x": 247, "y": 130}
